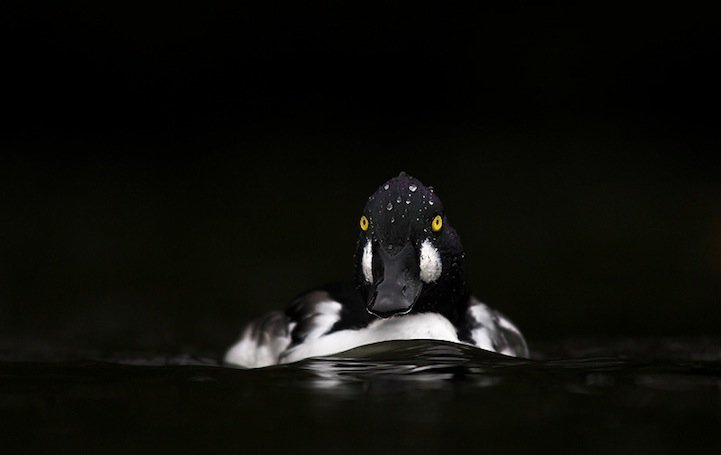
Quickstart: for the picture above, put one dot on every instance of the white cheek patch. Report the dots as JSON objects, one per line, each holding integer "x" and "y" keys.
{"x": 367, "y": 262}
{"x": 430, "y": 260}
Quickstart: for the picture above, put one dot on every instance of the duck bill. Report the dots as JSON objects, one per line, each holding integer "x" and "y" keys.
{"x": 398, "y": 289}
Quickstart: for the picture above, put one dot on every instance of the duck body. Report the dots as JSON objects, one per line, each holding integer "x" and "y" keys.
{"x": 409, "y": 284}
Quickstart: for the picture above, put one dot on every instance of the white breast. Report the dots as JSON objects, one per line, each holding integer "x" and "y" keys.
{"x": 425, "y": 326}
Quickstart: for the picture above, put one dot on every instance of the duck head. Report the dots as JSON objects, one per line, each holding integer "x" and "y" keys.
{"x": 408, "y": 257}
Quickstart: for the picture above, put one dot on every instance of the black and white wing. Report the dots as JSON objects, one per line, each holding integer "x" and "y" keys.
{"x": 261, "y": 342}
{"x": 492, "y": 331}
{"x": 307, "y": 318}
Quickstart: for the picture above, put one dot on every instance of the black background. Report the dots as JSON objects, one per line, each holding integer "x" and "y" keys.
{"x": 168, "y": 172}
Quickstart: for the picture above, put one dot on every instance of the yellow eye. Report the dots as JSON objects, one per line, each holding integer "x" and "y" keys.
{"x": 437, "y": 223}
{"x": 364, "y": 223}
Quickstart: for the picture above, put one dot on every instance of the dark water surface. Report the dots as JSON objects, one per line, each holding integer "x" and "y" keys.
{"x": 410, "y": 396}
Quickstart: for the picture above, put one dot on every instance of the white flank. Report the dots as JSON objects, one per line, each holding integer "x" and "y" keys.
{"x": 482, "y": 314}
{"x": 326, "y": 314}
{"x": 252, "y": 352}
{"x": 482, "y": 338}
{"x": 431, "y": 266}
{"x": 508, "y": 325}
{"x": 481, "y": 333}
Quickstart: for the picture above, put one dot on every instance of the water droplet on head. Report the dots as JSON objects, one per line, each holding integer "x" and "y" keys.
{"x": 412, "y": 187}
{"x": 389, "y": 207}
{"x": 385, "y": 187}
{"x": 408, "y": 201}
{"x": 393, "y": 220}
{"x": 430, "y": 202}
{"x": 398, "y": 199}
{"x": 430, "y": 188}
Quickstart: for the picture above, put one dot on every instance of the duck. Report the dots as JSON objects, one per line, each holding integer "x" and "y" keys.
{"x": 409, "y": 285}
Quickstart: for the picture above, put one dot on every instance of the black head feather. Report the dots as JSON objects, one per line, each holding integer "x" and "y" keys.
{"x": 400, "y": 213}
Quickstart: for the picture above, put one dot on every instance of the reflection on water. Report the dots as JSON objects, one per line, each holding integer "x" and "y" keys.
{"x": 408, "y": 396}
{"x": 417, "y": 361}
{"x": 433, "y": 361}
